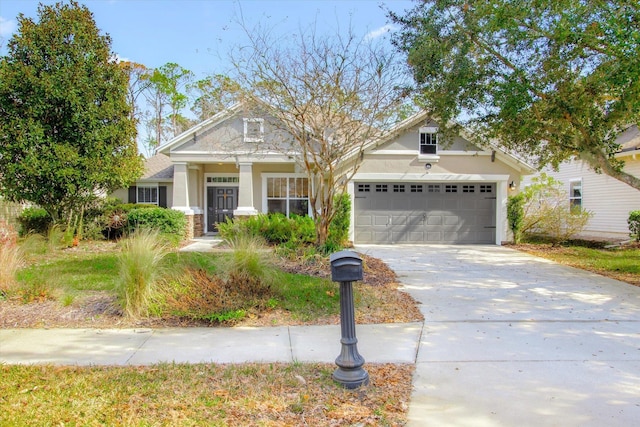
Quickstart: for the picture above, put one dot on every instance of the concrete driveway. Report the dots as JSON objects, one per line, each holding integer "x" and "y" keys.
{"x": 514, "y": 340}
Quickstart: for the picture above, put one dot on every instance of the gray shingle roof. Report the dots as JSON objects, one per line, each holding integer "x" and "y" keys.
{"x": 158, "y": 167}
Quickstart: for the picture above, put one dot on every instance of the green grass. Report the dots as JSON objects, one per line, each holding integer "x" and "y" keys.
{"x": 614, "y": 260}
{"x": 96, "y": 272}
{"x": 618, "y": 263}
{"x": 306, "y": 298}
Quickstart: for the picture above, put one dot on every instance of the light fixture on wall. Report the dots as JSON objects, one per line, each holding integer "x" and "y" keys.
{"x": 427, "y": 166}
{"x": 512, "y": 185}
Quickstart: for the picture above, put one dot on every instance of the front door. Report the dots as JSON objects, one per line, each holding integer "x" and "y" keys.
{"x": 221, "y": 202}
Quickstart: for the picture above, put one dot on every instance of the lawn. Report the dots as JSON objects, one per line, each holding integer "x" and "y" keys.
{"x": 620, "y": 263}
{"x": 78, "y": 287}
{"x": 201, "y": 394}
{"x": 61, "y": 282}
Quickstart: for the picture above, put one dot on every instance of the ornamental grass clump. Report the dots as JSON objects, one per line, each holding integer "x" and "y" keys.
{"x": 10, "y": 258}
{"x": 251, "y": 266}
{"x": 140, "y": 268}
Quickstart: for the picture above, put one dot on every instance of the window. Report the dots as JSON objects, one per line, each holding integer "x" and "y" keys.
{"x": 433, "y": 188}
{"x": 428, "y": 140}
{"x": 288, "y": 195}
{"x": 468, "y": 188}
{"x": 398, "y": 188}
{"x": 253, "y": 130}
{"x": 416, "y": 188}
{"x": 486, "y": 188}
{"x": 381, "y": 188}
{"x": 450, "y": 188}
{"x": 147, "y": 194}
{"x": 364, "y": 188}
{"x": 222, "y": 179}
{"x": 575, "y": 194}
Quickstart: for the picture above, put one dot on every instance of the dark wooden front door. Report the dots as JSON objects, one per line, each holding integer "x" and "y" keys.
{"x": 221, "y": 202}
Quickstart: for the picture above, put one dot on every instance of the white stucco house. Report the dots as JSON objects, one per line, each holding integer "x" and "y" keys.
{"x": 409, "y": 188}
{"x": 609, "y": 199}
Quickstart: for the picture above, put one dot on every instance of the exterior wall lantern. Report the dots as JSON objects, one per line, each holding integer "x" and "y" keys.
{"x": 346, "y": 267}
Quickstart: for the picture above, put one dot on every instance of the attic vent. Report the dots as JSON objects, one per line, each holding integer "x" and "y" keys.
{"x": 253, "y": 130}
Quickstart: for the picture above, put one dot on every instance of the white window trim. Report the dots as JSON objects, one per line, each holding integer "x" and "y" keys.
{"x": 572, "y": 182}
{"x": 156, "y": 186}
{"x": 265, "y": 199}
{"x": 246, "y": 130}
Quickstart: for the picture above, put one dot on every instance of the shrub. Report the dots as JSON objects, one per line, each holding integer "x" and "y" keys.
{"x": 34, "y": 220}
{"x": 515, "y": 215}
{"x": 10, "y": 258}
{"x": 166, "y": 221}
{"x": 275, "y": 229}
{"x": 547, "y": 211}
{"x": 634, "y": 224}
{"x": 139, "y": 269}
{"x": 339, "y": 227}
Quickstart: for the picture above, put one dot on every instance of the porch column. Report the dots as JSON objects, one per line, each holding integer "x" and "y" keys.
{"x": 180, "y": 187}
{"x": 194, "y": 185}
{"x": 181, "y": 193}
{"x": 245, "y": 191}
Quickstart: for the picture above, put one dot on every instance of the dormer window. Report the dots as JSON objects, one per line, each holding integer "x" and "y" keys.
{"x": 428, "y": 140}
{"x": 253, "y": 130}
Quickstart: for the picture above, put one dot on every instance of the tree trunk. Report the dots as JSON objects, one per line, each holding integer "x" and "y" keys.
{"x": 600, "y": 162}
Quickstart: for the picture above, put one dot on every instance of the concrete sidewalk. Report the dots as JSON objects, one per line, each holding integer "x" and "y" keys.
{"x": 389, "y": 343}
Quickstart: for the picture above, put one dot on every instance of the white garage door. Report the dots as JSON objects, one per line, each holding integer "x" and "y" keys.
{"x": 425, "y": 213}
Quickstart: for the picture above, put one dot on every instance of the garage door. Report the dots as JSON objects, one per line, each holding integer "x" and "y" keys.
{"x": 425, "y": 213}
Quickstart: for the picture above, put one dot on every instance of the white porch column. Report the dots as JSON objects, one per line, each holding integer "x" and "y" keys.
{"x": 181, "y": 188}
{"x": 194, "y": 188}
{"x": 245, "y": 191}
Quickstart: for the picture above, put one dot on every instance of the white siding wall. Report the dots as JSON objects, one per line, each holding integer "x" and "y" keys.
{"x": 609, "y": 199}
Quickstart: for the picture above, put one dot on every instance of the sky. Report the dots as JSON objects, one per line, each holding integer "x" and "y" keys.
{"x": 197, "y": 34}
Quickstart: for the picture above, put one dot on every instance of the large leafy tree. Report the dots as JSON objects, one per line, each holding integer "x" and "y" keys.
{"x": 65, "y": 128}
{"x": 331, "y": 93}
{"x": 550, "y": 79}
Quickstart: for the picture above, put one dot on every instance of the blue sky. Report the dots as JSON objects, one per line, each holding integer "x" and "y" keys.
{"x": 197, "y": 33}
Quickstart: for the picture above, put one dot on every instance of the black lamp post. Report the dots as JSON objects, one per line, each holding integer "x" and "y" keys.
{"x": 346, "y": 267}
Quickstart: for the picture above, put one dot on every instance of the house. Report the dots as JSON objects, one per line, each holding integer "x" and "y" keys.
{"x": 155, "y": 186}
{"x": 409, "y": 188}
{"x": 609, "y": 199}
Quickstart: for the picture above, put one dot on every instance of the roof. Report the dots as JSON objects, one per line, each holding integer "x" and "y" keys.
{"x": 629, "y": 140}
{"x": 158, "y": 167}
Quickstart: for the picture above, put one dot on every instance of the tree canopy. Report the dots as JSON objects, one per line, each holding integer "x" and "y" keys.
{"x": 65, "y": 126}
{"x": 332, "y": 94}
{"x": 550, "y": 79}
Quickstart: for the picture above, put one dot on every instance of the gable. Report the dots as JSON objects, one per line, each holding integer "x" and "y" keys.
{"x": 409, "y": 141}
{"x": 239, "y": 132}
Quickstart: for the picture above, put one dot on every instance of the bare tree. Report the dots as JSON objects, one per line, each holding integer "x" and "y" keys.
{"x": 332, "y": 94}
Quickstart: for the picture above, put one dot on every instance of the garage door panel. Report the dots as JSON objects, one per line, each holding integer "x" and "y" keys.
{"x": 380, "y": 220}
{"x": 434, "y": 220}
{"x": 363, "y": 220}
{"x": 464, "y": 214}
{"x": 450, "y": 220}
{"x": 399, "y": 219}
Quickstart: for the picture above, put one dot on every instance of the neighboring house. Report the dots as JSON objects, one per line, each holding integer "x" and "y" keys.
{"x": 408, "y": 189}
{"x": 609, "y": 199}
